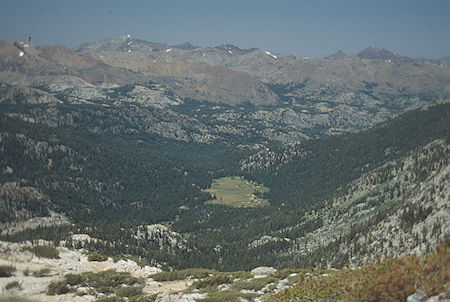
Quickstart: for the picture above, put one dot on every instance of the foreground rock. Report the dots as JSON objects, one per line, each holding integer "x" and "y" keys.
{"x": 33, "y": 285}
{"x": 72, "y": 277}
{"x": 422, "y": 297}
{"x": 262, "y": 271}
{"x": 181, "y": 297}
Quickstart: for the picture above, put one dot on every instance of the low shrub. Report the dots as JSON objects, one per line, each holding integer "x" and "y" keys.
{"x": 254, "y": 284}
{"x": 57, "y": 288}
{"x": 107, "y": 281}
{"x": 97, "y": 257}
{"x": 212, "y": 281}
{"x": 387, "y": 280}
{"x": 42, "y": 272}
{"x": 183, "y": 274}
{"x": 44, "y": 251}
{"x": 74, "y": 279}
{"x": 13, "y": 299}
{"x": 436, "y": 271}
{"x": 13, "y": 284}
{"x": 241, "y": 275}
{"x": 129, "y": 291}
{"x": 316, "y": 286}
{"x": 6, "y": 270}
{"x": 227, "y": 296}
{"x": 139, "y": 261}
{"x": 282, "y": 274}
{"x": 110, "y": 299}
{"x": 143, "y": 298}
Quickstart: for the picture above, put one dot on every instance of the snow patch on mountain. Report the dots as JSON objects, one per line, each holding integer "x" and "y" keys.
{"x": 270, "y": 54}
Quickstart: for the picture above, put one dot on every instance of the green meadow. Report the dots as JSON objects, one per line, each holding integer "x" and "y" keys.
{"x": 236, "y": 191}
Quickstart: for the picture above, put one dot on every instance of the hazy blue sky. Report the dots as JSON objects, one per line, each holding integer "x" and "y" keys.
{"x": 416, "y": 28}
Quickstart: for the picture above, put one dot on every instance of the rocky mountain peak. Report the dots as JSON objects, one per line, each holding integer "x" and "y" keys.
{"x": 373, "y": 53}
{"x": 337, "y": 55}
{"x": 26, "y": 57}
{"x": 123, "y": 43}
{"x": 235, "y": 49}
{"x": 186, "y": 46}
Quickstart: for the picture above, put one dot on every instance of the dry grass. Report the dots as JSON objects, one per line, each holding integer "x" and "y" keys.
{"x": 387, "y": 280}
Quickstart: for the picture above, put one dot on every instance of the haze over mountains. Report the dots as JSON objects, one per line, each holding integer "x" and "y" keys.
{"x": 382, "y": 70}
{"x": 335, "y": 95}
{"x": 232, "y": 75}
{"x": 120, "y": 141}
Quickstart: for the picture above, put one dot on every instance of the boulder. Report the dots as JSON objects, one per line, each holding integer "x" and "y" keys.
{"x": 417, "y": 297}
{"x": 181, "y": 297}
{"x": 443, "y": 297}
{"x": 262, "y": 271}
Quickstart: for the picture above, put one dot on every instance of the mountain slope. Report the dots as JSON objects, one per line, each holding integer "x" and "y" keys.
{"x": 91, "y": 177}
{"x": 399, "y": 208}
{"x": 378, "y": 71}
{"x": 323, "y": 213}
{"x": 23, "y": 59}
{"x": 150, "y": 108}
{"x": 330, "y": 163}
{"x": 189, "y": 79}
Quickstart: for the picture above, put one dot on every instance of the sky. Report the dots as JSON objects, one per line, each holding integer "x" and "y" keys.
{"x": 314, "y": 28}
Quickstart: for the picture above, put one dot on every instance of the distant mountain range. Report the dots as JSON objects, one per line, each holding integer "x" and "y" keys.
{"x": 226, "y": 73}
{"x": 295, "y": 98}
{"x": 385, "y": 71}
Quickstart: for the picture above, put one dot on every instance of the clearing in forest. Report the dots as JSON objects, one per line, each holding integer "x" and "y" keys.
{"x": 236, "y": 191}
